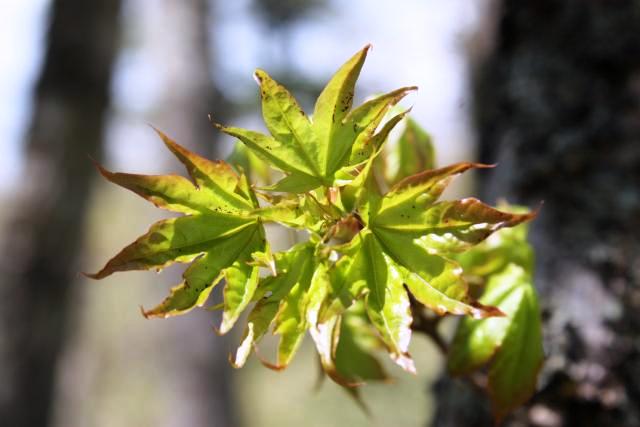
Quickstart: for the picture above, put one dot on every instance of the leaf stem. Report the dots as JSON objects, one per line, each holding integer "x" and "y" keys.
{"x": 328, "y": 213}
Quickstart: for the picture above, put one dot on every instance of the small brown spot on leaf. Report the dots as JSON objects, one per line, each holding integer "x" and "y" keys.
{"x": 156, "y": 238}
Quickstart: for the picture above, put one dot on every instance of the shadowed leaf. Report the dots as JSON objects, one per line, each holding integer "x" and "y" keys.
{"x": 413, "y": 153}
{"x": 513, "y": 343}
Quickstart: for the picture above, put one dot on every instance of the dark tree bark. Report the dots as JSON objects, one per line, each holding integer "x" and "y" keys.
{"x": 41, "y": 243}
{"x": 557, "y": 106}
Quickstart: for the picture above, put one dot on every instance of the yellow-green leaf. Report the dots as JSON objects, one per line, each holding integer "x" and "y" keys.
{"x": 367, "y": 143}
{"x": 216, "y": 178}
{"x": 290, "y": 322}
{"x": 219, "y": 234}
{"x": 249, "y": 163}
{"x": 387, "y": 300}
{"x": 173, "y": 240}
{"x": 293, "y": 267}
{"x": 393, "y": 319}
{"x": 414, "y": 194}
{"x": 241, "y": 281}
{"x": 360, "y": 124}
{"x": 282, "y": 155}
{"x": 447, "y": 227}
{"x": 295, "y": 183}
{"x": 332, "y": 107}
{"x": 287, "y": 123}
{"x": 437, "y": 282}
{"x": 228, "y": 254}
{"x": 258, "y": 323}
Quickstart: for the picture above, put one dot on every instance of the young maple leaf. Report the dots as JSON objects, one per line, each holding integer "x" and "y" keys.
{"x": 312, "y": 152}
{"x": 218, "y": 234}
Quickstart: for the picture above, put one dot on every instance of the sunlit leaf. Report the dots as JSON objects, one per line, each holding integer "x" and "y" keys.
{"x": 345, "y": 288}
{"x": 419, "y": 191}
{"x": 333, "y": 105}
{"x": 281, "y": 154}
{"x": 361, "y": 123}
{"x": 509, "y": 245}
{"x": 387, "y": 300}
{"x": 218, "y": 235}
{"x": 227, "y": 255}
{"x": 435, "y": 281}
{"x": 295, "y": 183}
{"x": 367, "y": 143}
{"x": 294, "y": 269}
{"x": 313, "y": 152}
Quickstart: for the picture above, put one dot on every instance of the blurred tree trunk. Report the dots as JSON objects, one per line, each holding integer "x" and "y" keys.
{"x": 188, "y": 383}
{"x": 42, "y": 240}
{"x": 558, "y": 108}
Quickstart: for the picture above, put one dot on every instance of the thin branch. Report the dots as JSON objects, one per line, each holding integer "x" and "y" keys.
{"x": 428, "y": 325}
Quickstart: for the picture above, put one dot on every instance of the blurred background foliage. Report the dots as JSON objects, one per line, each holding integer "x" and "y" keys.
{"x": 549, "y": 89}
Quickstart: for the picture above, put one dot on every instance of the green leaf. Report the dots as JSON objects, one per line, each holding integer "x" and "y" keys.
{"x": 414, "y": 194}
{"x": 451, "y": 226}
{"x": 173, "y": 240}
{"x": 512, "y": 343}
{"x": 286, "y": 212}
{"x": 287, "y": 123}
{"x": 393, "y": 320}
{"x": 332, "y": 107}
{"x": 281, "y": 154}
{"x": 413, "y": 153}
{"x": 387, "y": 300}
{"x": 276, "y": 294}
{"x": 171, "y": 192}
{"x": 325, "y": 337}
{"x": 354, "y": 352}
{"x": 346, "y": 345}
{"x": 325, "y": 333}
{"x": 469, "y": 221}
{"x": 509, "y": 245}
{"x": 435, "y": 281}
{"x": 218, "y": 235}
{"x": 344, "y": 289}
{"x": 369, "y": 256}
{"x": 312, "y": 153}
{"x": 241, "y": 281}
{"x": 318, "y": 290}
{"x": 362, "y": 193}
{"x": 290, "y": 322}
{"x": 295, "y": 183}
{"x": 361, "y": 123}
{"x": 258, "y": 323}
{"x": 247, "y": 162}
{"x": 223, "y": 258}
{"x": 216, "y": 178}
{"x": 366, "y": 144}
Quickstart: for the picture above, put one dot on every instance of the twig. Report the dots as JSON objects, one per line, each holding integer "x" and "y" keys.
{"x": 427, "y": 325}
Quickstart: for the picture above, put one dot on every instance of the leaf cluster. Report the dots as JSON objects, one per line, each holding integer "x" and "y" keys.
{"x": 380, "y": 239}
